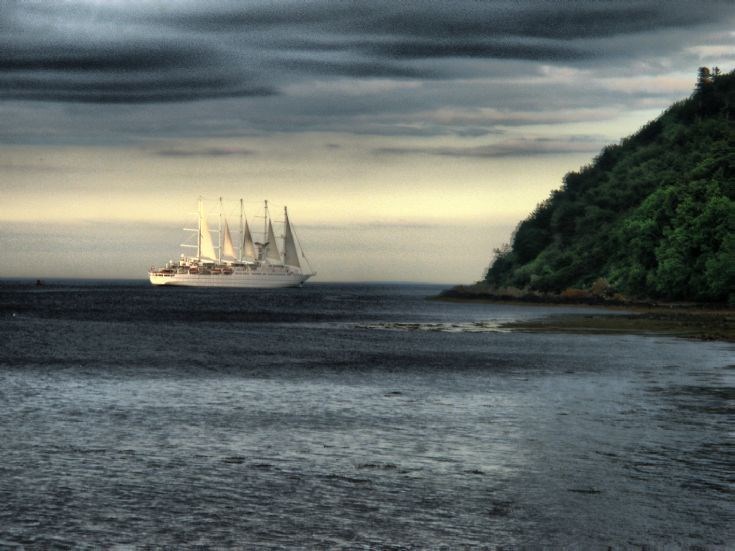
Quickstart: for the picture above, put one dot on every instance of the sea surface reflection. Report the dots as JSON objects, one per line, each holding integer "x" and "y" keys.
{"x": 346, "y": 415}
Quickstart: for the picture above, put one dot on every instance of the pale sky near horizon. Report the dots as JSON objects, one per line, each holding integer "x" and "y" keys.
{"x": 407, "y": 139}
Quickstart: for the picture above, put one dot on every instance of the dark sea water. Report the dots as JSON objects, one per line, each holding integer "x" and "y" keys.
{"x": 350, "y": 416}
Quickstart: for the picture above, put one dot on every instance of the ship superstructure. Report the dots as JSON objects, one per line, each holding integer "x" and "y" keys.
{"x": 249, "y": 264}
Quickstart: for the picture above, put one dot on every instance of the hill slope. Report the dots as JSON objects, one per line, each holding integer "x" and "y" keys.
{"x": 651, "y": 217}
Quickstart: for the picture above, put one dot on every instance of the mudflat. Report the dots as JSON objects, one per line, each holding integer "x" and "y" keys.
{"x": 679, "y": 321}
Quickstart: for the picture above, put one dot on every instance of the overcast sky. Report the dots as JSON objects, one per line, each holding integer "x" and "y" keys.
{"x": 407, "y": 138}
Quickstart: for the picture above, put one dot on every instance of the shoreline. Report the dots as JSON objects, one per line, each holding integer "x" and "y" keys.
{"x": 696, "y": 326}
{"x": 705, "y": 322}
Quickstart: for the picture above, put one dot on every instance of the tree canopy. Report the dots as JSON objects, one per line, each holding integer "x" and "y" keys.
{"x": 653, "y": 215}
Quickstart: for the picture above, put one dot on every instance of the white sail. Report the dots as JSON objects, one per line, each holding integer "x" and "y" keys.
{"x": 228, "y": 251}
{"x": 206, "y": 249}
{"x": 261, "y": 265}
{"x": 248, "y": 248}
{"x": 291, "y": 255}
{"x": 272, "y": 253}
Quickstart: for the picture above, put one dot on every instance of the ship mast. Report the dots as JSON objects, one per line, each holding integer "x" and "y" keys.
{"x": 265, "y": 222}
{"x": 199, "y": 231}
{"x": 285, "y": 244}
{"x": 219, "y": 234}
{"x": 265, "y": 230}
{"x": 242, "y": 232}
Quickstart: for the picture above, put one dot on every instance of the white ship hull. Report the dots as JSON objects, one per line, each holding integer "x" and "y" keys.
{"x": 252, "y": 280}
{"x": 252, "y": 265}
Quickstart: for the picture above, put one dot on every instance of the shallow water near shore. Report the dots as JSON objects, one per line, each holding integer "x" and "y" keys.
{"x": 348, "y": 415}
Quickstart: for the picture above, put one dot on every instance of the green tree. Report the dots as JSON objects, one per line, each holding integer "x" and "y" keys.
{"x": 653, "y": 215}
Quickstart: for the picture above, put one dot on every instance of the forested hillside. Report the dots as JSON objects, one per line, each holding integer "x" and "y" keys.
{"x": 651, "y": 217}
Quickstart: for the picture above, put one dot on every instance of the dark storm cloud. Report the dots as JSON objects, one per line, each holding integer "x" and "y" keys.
{"x": 441, "y": 20}
{"x": 510, "y": 148}
{"x": 485, "y": 48}
{"x": 431, "y": 47}
{"x": 127, "y": 90}
{"x": 148, "y": 71}
{"x": 102, "y": 58}
{"x": 139, "y": 51}
{"x": 71, "y": 53}
{"x": 384, "y": 30}
{"x": 206, "y": 152}
{"x": 358, "y": 69}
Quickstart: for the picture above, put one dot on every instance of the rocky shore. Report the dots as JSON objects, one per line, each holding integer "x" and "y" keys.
{"x": 688, "y": 320}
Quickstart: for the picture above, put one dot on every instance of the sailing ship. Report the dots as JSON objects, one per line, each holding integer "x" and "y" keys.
{"x": 252, "y": 264}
